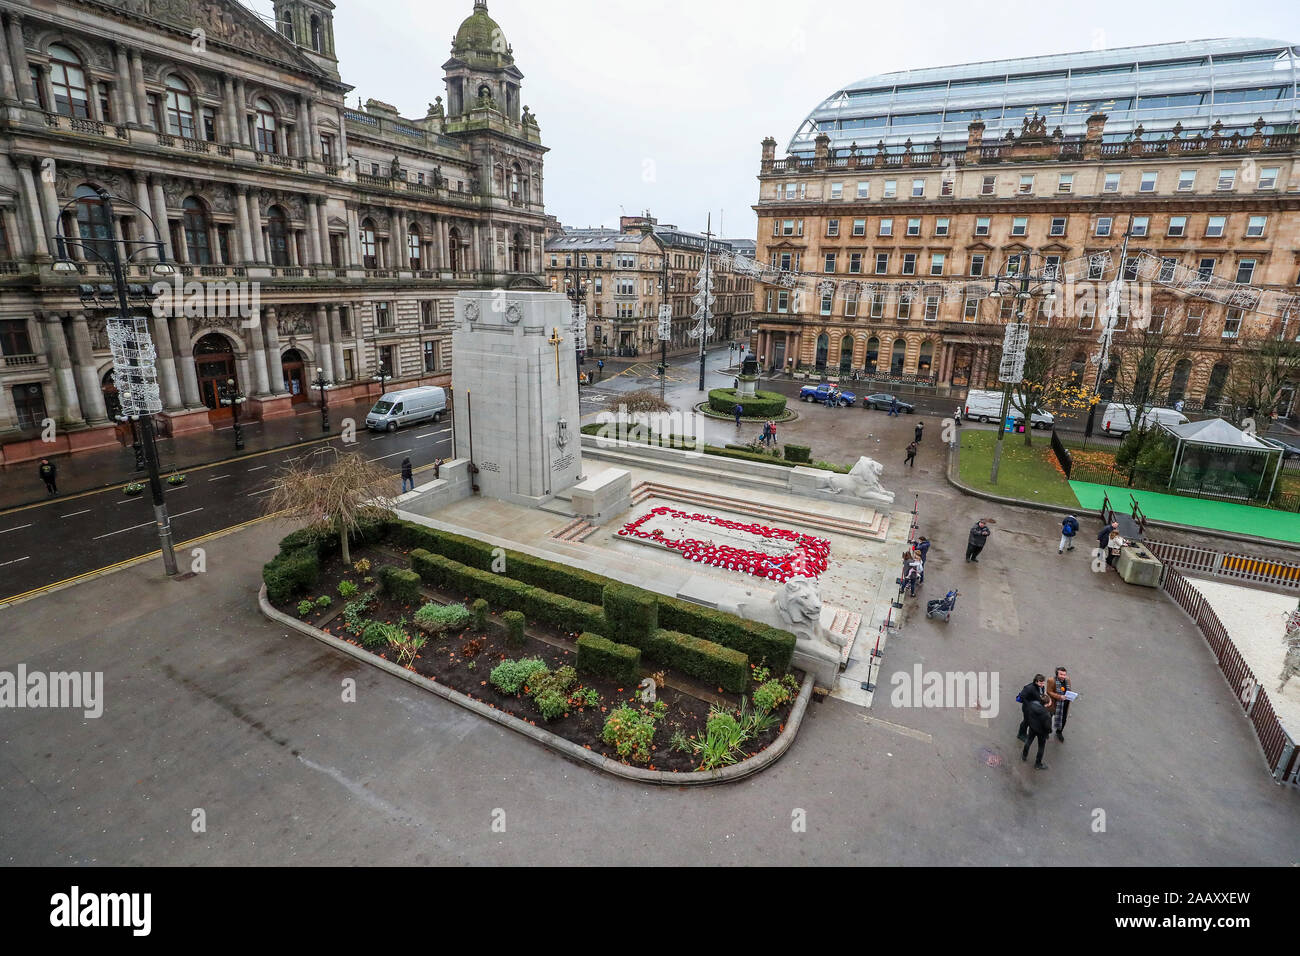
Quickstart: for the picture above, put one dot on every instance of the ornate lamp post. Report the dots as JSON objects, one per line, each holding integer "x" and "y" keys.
{"x": 133, "y": 349}
{"x": 576, "y": 283}
{"x": 322, "y": 383}
{"x": 1114, "y": 294}
{"x": 381, "y": 377}
{"x": 232, "y": 396}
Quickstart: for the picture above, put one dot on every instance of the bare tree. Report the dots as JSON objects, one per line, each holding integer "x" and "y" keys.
{"x": 1269, "y": 364}
{"x": 343, "y": 494}
{"x": 1148, "y": 351}
{"x": 644, "y": 401}
{"x": 1049, "y": 384}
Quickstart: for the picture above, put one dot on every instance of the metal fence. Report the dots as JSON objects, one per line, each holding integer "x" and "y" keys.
{"x": 1280, "y": 751}
{"x": 1063, "y": 456}
{"x": 1220, "y": 564}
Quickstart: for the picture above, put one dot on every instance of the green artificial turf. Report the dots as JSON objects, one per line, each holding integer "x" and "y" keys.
{"x": 1196, "y": 512}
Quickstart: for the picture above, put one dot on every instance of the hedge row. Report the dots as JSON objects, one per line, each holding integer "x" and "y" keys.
{"x": 399, "y": 583}
{"x": 706, "y": 660}
{"x": 758, "y": 405}
{"x": 632, "y": 612}
{"x": 291, "y": 573}
{"x": 798, "y": 453}
{"x": 605, "y": 658}
{"x": 759, "y": 642}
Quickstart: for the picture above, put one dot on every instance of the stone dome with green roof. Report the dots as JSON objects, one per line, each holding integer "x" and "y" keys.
{"x": 480, "y": 35}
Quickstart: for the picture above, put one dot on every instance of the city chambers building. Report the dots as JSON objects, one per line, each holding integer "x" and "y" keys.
{"x": 308, "y": 238}
{"x": 947, "y": 176}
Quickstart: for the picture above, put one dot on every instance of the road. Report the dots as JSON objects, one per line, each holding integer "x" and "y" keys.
{"x": 73, "y": 535}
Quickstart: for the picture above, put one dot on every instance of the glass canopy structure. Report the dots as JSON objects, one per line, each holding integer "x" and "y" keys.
{"x": 1195, "y": 83}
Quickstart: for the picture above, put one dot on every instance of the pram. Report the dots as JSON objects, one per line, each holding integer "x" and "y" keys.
{"x": 942, "y": 606}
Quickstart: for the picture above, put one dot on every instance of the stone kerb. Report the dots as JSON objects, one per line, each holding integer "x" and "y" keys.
{"x": 546, "y": 738}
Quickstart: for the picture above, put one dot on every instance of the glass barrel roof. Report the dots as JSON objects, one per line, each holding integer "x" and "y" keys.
{"x": 1194, "y": 82}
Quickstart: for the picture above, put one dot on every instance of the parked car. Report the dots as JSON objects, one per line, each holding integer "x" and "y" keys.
{"x": 818, "y": 393}
{"x": 1118, "y": 419}
{"x": 985, "y": 405}
{"x": 884, "y": 401}
{"x": 1289, "y": 451}
{"x": 407, "y": 406}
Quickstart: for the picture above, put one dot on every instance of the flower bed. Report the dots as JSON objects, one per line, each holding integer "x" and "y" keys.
{"x": 603, "y": 714}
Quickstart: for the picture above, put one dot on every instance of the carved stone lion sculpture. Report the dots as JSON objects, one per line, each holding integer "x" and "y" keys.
{"x": 796, "y": 606}
{"x": 862, "y": 481}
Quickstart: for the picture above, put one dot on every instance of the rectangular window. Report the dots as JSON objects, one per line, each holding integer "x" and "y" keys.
{"x": 860, "y": 226}
{"x": 945, "y": 186}
{"x": 1044, "y": 313}
{"x": 1058, "y": 226}
{"x": 554, "y": 261}
{"x": 877, "y": 305}
{"x": 787, "y": 227}
{"x": 582, "y": 260}
{"x": 428, "y": 314}
{"x": 1019, "y": 225}
{"x": 977, "y": 265}
{"x": 891, "y": 188}
{"x": 383, "y": 317}
{"x": 827, "y": 302}
{"x": 837, "y": 190}
{"x": 209, "y": 124}
{"x": 34, "y": 73}
{"x": 1245, "y": 271}
{"x": 1103, "y": 226}
{"x": 851, "y": 303}
{"x": 388, "y": 360}
{"x": 599, "y": 263}
{"x": 1232, "y": 323}
{"x": 1111, "y": 184}
{"x": 1087, "y": 312}
{"x": 936, "y": 263}
{"x": 1168, "y": 266}
{"x": 971, "y": 311}
{"x": 431, "y": 356}
{"x": 600, "y": 285}
{"x": 1214, "y": 226}
{"x": 1148, "y": 184}
{"x": 1255, "y": 227}
{"x": 1186, "y": 180}
{"x": 931, "y": 308}
{"x": 1177, "y": 226}
{"x": 909, "y": 263}
{"x": 1227, "y": 179}
{"x": 882, "y": 263}
{"x": 105, "y": 102}
{"x": 886, "y": 227}
{"x": 989, "y": 185}
{"x": 1194, "y": 319}
{"x": 914, "y": 227}
{"x": 1131, "y": 268}
{"x": 1267, "y": 178}
{"x": 1140, "y": 224}
{"x": 941, "y": 226}
{"x": 1205, "y": 268}
{"x": 13, "y": 337}
{"x": 783, "y": 301}
{"x": 1065, "y": 183}
{"x": 905, "y": 305}
{"x": 864, "y": 190}
{"x": 327, "y": 149}
{"x": 832, "y": 227}
{"x": 1026, "y": 185}
{"x": 982, "y": 226}
{"x": 1006, "y": 307}
{"x": 830, "y": 262}
{"x": 29, "y": 401}
{"x": 855, "y": 262}
{"x": 1096, "y": 267}
{"x": 918, "y": 188}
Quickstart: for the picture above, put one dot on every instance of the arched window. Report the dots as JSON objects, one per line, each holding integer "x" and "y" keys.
{"x": 180, "y": 108}
{"x": 1178, "y": 386}
{"x": 453, "y": 249}
{"x": 823, "y": 346}
{"x": 518, "y": 253}
{"x": 265, "y": 127}
{"x": 1214, "y": 391}
{"x": 413, "y": 247}
{"x": 369, "y": 247}
{"x": 277, "y": 231}
{"x": 317, "y": 37}
{"x": 516, "y": 184}
{"x": 846, "y": 354}
{"x": 925, "y": 361}
{"x": 92, "y": 224}
{"x": 1107, "y": 390}
{"x": 286, "y": 25}
{"x": 196, "y": 232}
{"x": 68, "y": 82}
{"x": 897, "y": 357}
{"x": 873, "y": 353}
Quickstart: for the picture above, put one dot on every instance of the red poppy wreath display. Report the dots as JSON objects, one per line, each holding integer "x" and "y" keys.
{"x": 807, "y": 557}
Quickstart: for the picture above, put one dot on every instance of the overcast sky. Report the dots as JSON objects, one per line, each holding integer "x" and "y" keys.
{"x": 663, "y": 105}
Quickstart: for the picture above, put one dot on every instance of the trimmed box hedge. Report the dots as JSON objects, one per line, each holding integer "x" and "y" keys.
{"x": 291, "y": 573}
{"x": 632, "y": 612}
{"x": 400, "y": 583}
{"x": 760, "y": 642}
{"x": 798, "y": 453}
{"x": 605, "y": 658}
{"x": 706, "y": 660}
{"x": 758, "y": 405}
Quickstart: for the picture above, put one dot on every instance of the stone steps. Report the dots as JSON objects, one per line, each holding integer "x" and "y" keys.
{"x": 575, "y": 532}
{"x": 684, "y": 466}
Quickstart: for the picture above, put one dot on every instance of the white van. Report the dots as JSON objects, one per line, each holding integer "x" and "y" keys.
{"x": 986, "y": 406}
{"x": 1118, "y": 419}
{"x": 406, "y": 407}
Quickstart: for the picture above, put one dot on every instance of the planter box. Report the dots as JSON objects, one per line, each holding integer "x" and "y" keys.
{"x": 1139, "y": 566}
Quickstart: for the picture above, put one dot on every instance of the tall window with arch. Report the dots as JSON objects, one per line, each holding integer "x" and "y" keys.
{"x": 93, "y": 227}
{"x": 414, "y": 247}
{"x": 317, "y": 35}
{"x": 455, "y": 254}
{"x": 518, "y": 253}
{"x": 195, "y": 218}
{"x": 516, "y": 184}
{"x": 180, "y": 108}
{"x": 265, "y": 127}
{"x": 369, "y": 247}
{"x": 277, "y": 233}
{"x": 68, "y": 83}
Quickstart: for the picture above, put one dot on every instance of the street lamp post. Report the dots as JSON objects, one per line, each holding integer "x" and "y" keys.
{"x": 1113, "y": 296}
{"x": 139, "y": 399}
{"x": 322, "y": 383}
{"x": 232, "y": 396}
{"x": 576, "y": 282}
{"x": 381, "y": 377}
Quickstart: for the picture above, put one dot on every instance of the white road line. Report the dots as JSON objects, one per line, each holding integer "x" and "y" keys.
{"x": 258, "y": 468}
{"x": 287, "y": 460}
{"x": 184, "y": 513}
{"x": 14, "y": 561}
{"x": 219, "y": 477}
{"x": 254, "y": 494}
{"x": 436, "y": 431}
{"x": 393, "y": 455}
{"x": 142, "y": 525}
{"x": 75, "y": 513}
{"x": 20, "y": 527}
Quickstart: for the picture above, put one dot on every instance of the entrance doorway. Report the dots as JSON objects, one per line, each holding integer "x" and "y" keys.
{"x": 293, "y": 368}
{"x": 214, "y": 361}
{"x": 778, "y": 354}
{"x": 961, "y": 364}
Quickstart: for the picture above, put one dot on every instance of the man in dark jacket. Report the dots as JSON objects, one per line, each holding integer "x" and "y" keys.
{"x": 407, "y": 477}
{"x": 1069, "y": 528}
{"x": 911, "y": 454}
{"x": 1040, "y": 725}
{"x": 47, "y": 471}
{"x": 738, "y": 411}
{"x": 978, "y": 537}
{"x": 1035, "y": 690}
{"x": 919, "y": 431}
{"x": 1103, "y": 536}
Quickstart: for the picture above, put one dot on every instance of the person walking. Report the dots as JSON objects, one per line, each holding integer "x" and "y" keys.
{"x": 956, "y": 417}
{"x": 920, "y": 428}
{"x": 911, "y": 455}
{"x": 1056, "y": 690}
{"x": 48, "y": 472}
{"x": 1069, "y": 528}
{"x": 893, "y": 407}
{"x": 738, "y": 411}
{"x": 978, "y": 537}
{"x": 763, "y": 435}
{"x": 912, "y": 576}
{"x": 600, "y": 368}
{"x": 1035, "y": 690}
{"x": 407, "y": 477}
{"x": 1040, "y": 725}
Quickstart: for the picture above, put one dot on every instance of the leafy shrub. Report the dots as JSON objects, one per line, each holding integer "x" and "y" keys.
{"x": 399, "y": 583}
{"x": 514, "y": 622}
{"x": 630, "y": 732}
{"x": 354, "y": 612}
{"x": 324, "y": 601}
{"x": 798, "y": 453}
{"x": 316, "y": 537}
{"x": 509, "y": 676}
{"x": 605, "y": 658}
{"x": 289, "y": 574}
{"x": 710, "y": 662}
{"x": 374, "y": 633}
{"x": 632, "y": 613}
{"x": 347, "y": 590}
{"x": 771, "y": 695}
{"x": 551, "y": 705}
{"x": 480, "y": 608}
{"x": 362, "y": 567}
{"x": 436, "y": 618}
{"x": 406, "y": 646}
{"x": 758, "y": 405}
{"x": 585, "y": 697}
{"x": 559, "y": 681}
{"x": 305, "y": 607}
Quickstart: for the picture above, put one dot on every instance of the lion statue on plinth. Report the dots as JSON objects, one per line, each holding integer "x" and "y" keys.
{"x": 796, "y": 606}
{"x": 862, "y": 481}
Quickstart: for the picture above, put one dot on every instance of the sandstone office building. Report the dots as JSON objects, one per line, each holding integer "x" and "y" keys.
{"x": 356, "y": 227}
{"x": 948, "y": 174}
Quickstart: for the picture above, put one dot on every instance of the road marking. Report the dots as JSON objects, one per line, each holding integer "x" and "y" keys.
{"x": 19, "y": 528}
{"x": 254, "y": 494}
{"x": 288, "y": 460}
{"x": 258, "y": 468}
{"x": 393, "y": 455}
{"x": 75, "y": 513}
{"x": 184, "y": 513}
{"x": 141, "y": 525}
{"x": 219, "y": 477}
{"x": 436, "y": 431}
{"x": 14, "y": 561}
{"x": 899, "y": 729}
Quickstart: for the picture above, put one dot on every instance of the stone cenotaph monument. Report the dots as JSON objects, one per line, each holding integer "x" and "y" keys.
{"x": 515, "y": 393}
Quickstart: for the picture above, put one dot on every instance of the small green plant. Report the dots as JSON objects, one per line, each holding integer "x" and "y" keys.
{"x": 471, "y": 665}
{"x": 376, "y": 633}
{"x": 760, "y": 673}
{"x": 324, "y": 601}
{"x": 347, "y": 590}
{"x": 305, "y": 608}
{"x": 551, "y": 705}
{"x": 479, "y": 609}
{"x": 367, "y": 580}
{"x": 771, "y": 695}
{"x": 354, "y": 613}
{"x": 585, "y": 697}
{"x": 362, "y": 566}
{"x": 133, "y": 488}
{"x": 514, "y": 621}
{"x": 439, "y": 618}
{"x": 630, "y": 732}
{"x": 509, "y": 676}
{"x": 681, "y": 743}
{"x": 552, "y": 682}
{"x": 406, "y": 646}
{"x": 177, "y": 479}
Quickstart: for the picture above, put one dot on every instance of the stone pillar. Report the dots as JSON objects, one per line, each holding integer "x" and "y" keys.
{"x": 243, "y": 231}
{"x": 32, "y": 210}
{"x": 343, "y": 160}
{"x": 358, "y": 341}
{"x": 18, "y": 61}
{"x": 336, "y": 341}
{"x": 303, "y": 129}
{"x": 8, "y": 88}
{"x": 274, "y": 373}
{"x": 184, "y": 355}
{"x": 144, "y": 114}
{"x": 290, "y": 246}
{"x": 127, "y": 106}
{"x": 313, "y": 137}
{"x": 354, "y": 238}
{"x": 241, "y": 113}
{"x": 324, "y": 358}
{"x": 313, "y": 234}
{"x": 168, "y": 385}
{"x": 261, "y": 377}
{"x": 160, "y": 217}
{"x": 147, "y": 231}
{"x": 229, "y": 111}
{"x": 256, "y": 244}
{"x": 92, "y": 394}
{"x": 183, "y": 253}
{"x": 323, "y": 223}
{"x": 56, "y": 350}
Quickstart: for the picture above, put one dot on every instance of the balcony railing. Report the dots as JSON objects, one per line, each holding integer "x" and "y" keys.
{"x": 20, "y": 361}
